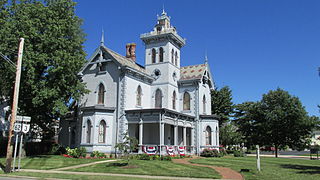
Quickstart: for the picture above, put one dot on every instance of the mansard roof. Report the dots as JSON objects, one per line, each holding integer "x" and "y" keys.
{"x": 192, "y": 72}
{"x": 196, "y": 73}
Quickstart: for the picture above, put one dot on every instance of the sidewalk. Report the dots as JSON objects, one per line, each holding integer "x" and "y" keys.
{"x": 282, "y": 156}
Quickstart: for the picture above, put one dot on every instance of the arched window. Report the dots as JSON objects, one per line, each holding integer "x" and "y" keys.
{"x": 158, "y": 99}
{"x": 88, "y": 136}
{"x": 172, "y": 56}
{"x": 102, "y": 132}
{"x": 176, "y": 59}
{"x": 161, "y": 54}
{"x": 186, "y": 101}
{"x": 208, "y": 135}
{"x": 174, "y": 96}
{"x": 101, "y": 94}
{"x": 204, "y": 103}
{"x": 153, "y": 56}
{"x": 139, "y": 94}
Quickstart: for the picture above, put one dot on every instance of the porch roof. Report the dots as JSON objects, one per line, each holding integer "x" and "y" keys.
{"x": 160, "y": 110}
{"x": 213, "y": 116}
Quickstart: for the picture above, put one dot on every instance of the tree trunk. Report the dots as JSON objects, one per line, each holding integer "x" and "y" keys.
{"x": 276, "y": 150}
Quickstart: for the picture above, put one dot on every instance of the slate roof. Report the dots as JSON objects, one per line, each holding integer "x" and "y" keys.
{"x": 192, "y": 72}
{"x": 124, "y": 61}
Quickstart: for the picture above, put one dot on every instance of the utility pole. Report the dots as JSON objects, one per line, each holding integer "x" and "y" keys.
{"x": 14, "y": 106}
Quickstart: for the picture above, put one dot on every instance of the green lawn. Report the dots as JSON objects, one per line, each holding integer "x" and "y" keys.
{"x": 69, "y": 176}
{"x": 272, "y": 168}
{"x": 49, "y": 162}
{"x": 155, "y": 167}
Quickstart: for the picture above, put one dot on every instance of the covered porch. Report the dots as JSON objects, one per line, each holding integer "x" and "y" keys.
{"x": 162, "y": 131}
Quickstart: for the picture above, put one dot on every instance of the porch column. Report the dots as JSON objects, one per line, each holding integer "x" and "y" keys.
{"x": 140, "y": 133}
{"x": 161, "y": 136}
{"x": 192, "y": 136}
{"x": 184, "y": 136}
{"x": 175, "y": 135}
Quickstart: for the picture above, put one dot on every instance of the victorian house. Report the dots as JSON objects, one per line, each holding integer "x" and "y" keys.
{"x": 166, "y": 107}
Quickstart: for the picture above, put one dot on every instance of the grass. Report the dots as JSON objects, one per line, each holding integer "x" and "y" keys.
{"x": 153, "y": 167}
{"x": 67, "y": 176}
{"x": 271, "y": 168}
{"x": 46, "y": 162}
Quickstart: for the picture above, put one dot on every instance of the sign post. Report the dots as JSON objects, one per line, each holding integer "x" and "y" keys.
{"x": 20, "y": 127}
{"x": 258, "y": 157}
{"x": 15, "y": 151}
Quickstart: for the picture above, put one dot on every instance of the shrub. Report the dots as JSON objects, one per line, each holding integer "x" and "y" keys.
{"x": 166, "y": 158}
{"x": 143, "y": 157}
{"x": 155, "y": 157}
{"x": 76, "y": 152}
{"x": 238, "y": 154}
{"x": 210, "y": 153}
{"x": 229, "y": 151}
{"x": 57, "y": 149}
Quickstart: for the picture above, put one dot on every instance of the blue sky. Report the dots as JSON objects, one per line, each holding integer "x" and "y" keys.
{"x": 253, "y": 46}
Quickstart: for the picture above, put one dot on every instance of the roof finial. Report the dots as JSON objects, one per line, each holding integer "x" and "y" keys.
{"x": 102, "y": 38}
{"x": 206, "y": 58}
{"x": 163, "y": 12}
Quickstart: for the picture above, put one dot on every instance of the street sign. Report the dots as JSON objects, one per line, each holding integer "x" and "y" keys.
{"x": 23, "y": 118}
{"x": 26, "y": 118}
{"x": 25, "y": 128}
{"x": 19, "y": 118}
{"x": 17, "y": 127}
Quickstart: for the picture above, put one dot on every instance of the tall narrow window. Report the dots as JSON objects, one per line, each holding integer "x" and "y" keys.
{"x": 186, "y": 101}
{"x": 174, "y": 96}
{"x": 102, "y": 132}
{"x": 158, "y": 99}
{"x": 153, "y": 56}
{"x": 88, "y": 138}
{"x": 139, "y": 94}
{"x": 172, "y": 56}
{"x": 204, "y": 103}
{"x": 176, "y": 59}
{"x": 161, "y": 54}
{"x": 101, "y": 94}
{"x": 208, "y": 135}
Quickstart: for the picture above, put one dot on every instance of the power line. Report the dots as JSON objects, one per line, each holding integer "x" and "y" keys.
{"x": 8, "y": 60}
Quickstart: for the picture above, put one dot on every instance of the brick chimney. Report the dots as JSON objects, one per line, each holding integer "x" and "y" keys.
{"x": 131, "y": 51}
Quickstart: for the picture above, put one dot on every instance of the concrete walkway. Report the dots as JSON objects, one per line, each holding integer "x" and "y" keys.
{"x": 282, "y": 156}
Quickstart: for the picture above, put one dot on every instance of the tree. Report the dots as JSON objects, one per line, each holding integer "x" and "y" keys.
{"x": 229, "y": 135}
{"x": 246, "y": 115}
{"x": 221, "y": 104}
{"x": 128, "y": 145}
{"x": 278, "y": 120}
{"x": 53, "y": 55}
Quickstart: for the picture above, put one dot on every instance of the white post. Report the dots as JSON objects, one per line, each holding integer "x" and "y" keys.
{"x": 184, "y": 136}
{"x": 176, "y": 135}
{"x": 15, "y": 152}
{"x": 161, "y": 136}
{"x": 20, "y": 151}
{"x": 141, "y": 136}
{"x": 258, "y": 158}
